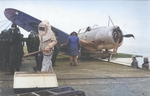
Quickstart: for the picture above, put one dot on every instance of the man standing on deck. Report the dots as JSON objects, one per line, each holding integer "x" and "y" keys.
{"x": 47, "y": 43}
{"x": 134, "y": 62}
{"x": 16, "y": 49}
{"x": 56, "y": 50}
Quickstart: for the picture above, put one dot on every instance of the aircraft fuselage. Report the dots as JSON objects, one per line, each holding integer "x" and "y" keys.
{"x": 103, "y": 37}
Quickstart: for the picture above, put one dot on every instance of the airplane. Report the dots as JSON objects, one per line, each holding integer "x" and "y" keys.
{"x": 95, "y": 42}
{"x": 99, "y": 41}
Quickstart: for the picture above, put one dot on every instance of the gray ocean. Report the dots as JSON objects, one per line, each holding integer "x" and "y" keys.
{"x": 139, "y": 49}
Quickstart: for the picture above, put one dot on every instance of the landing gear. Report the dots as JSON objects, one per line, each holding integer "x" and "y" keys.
{"x": 110, "y": 57}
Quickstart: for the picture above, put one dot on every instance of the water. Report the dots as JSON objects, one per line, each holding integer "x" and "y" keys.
{"x": 136, "y": 49}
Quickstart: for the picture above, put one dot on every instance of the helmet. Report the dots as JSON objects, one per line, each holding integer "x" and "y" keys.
{"x": 13, "y": 25}
{"x": 145, "y": 59}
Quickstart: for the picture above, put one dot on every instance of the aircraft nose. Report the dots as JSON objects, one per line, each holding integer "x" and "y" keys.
{"x": 117, "y": 33}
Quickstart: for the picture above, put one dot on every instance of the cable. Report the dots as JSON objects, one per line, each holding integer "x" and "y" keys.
{"x": 111, "y": 21}
{"x": 108, "y": 20}
{"x": 3, "y": 20}
{"x": 7, "y": 26}
{"x": 3, "y": 24}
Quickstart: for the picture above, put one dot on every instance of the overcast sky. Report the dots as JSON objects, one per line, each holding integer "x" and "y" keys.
{"x": 131, "y": 16}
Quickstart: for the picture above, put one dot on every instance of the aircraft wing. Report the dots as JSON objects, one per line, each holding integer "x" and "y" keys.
{"x": 22, "y": 19}
{"x": 30, "y": 23}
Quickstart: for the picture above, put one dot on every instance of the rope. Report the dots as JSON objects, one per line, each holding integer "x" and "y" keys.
{"x": 3, "y": 24}
{"x": 3, "y": 20}
{"x": 7, "y": 26}
{"x": 113, "y": 25}
{"x": 111, "y": 21}
{"x": 108, "y": 21}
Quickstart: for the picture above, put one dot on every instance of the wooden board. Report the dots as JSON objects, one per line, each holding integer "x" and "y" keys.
{"x": 34, "y": 80}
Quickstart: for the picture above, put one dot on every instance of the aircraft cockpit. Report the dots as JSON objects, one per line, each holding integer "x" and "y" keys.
{"x": 84, "y": 30}
{"x": 87, "y": 29}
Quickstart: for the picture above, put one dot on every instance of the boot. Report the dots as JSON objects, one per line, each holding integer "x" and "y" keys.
{"x": 70, "y": 64}
{"x": 35, "y": 68}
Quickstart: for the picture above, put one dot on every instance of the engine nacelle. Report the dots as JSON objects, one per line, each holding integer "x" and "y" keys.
{"x": 103, "y": 37}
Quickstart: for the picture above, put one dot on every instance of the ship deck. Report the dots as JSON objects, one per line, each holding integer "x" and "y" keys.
{"x": 94, "y": 77}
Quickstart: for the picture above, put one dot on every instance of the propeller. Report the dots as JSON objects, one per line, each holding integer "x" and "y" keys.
{"x": 118, "y": 36}
{"x": 129, "y": 35}
{"x": 117, "y": 44}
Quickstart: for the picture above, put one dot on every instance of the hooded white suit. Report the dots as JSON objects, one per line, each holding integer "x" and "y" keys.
{"x": 47, "y": 43}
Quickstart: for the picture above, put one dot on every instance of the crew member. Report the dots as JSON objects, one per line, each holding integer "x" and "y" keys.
{"x": 32, "y": 46}
{"x": 47, "y": 43}
{"x": 16, "y": 49}
{"x": 4, "y": 49}
{"x": 145, "y": 65}
{"x": 56, "y": 50}
{"x": 134, "y": 62}
{"x": 73, "y": 44}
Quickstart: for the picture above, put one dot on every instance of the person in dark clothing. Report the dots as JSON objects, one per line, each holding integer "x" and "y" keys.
{"x": 32, "y": 46}
{"x": 73, "y": 44}
{"x": 16, "y": 49}
{"x": 4, "y": 48}
{"x": 56, "y": 50}
{"x": 145, "y": 65}
{"x": 134, "y": 62}
{"x": 1, "y": 56}
{"x": 3, "y": 53}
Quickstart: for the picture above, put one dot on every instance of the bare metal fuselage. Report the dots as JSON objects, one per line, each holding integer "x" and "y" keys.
{"x": 103, "y": 38}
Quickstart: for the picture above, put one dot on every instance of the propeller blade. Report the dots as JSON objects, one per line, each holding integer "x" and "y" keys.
{"x": 129, "y": 35}
{"x": 116, "y": 46}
